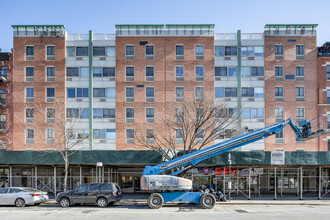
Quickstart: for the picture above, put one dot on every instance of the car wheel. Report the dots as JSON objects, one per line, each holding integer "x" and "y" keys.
{"x": 207, "y": 201}
{"x": 155, "y": 201}
{"x": 19, "y": 202}
{"x": 64, "y": 202}
{"x": 102, "y": 202}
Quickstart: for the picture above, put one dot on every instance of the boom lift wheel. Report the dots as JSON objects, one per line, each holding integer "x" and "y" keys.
{"x": 155, "y": 201}
{"x": 207, "y": 201}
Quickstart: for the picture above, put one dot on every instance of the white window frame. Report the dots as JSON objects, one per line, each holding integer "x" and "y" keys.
{"x": 52, "y": 57}
{"x": 129, "y": 76}
{"x": 29, "y": 77}
{"x": 50, "y": 97}
{"x": 50, "y": 77}
{"x": 31, "y": 56}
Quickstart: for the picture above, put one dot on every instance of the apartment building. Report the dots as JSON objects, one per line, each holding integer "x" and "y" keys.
{"x": 6, "y": 111}
{"x": 291, "y": 82}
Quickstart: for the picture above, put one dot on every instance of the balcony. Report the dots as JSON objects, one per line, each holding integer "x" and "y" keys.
{"x": 3, "y": 103}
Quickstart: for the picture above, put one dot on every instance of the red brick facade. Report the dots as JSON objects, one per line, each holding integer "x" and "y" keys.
{"x": 164, "y": 65}
{"x": 39, "y": 63}
{"x": 289, "y": 63}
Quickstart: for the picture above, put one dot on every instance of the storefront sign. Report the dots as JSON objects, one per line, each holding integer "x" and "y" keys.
{"x": 277, "y": 158}
{"x": 206, "y": 171}
{"x": 219, "y": 171}
{"x": 254, "y": 172}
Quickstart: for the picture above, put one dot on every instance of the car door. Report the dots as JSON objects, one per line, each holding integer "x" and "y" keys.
{"x": 92, "y": 193}
{"x": 3, "y": 193}
{"x": 12, "y": 195}
{"x": 78, "y": 194}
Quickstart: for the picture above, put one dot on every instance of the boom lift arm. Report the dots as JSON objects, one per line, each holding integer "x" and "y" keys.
{"x": 151, "y": 180}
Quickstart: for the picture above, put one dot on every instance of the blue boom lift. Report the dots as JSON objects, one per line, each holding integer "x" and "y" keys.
{"x": 168, "y": 187}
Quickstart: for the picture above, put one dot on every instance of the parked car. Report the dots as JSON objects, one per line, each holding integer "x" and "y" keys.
{"x": 103, "y": 194}
{"x": 21, "y": 196}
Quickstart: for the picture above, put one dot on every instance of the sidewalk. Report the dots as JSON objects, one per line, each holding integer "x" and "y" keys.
{"x": 141, "y": 199}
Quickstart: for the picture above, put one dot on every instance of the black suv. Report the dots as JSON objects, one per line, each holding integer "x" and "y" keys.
{"x": 103, "y": 194}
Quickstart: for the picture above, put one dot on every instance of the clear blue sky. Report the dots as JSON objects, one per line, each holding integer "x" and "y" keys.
{"x": 79, "y": 16}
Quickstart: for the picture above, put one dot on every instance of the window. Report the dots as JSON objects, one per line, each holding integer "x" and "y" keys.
{"x": 179, "y": 50}
{"x": 300, "y": 113}
{"x": 200, "y": 114}
{"x": 247, "y": 51}
{"x": 279, "y": 135}
{"x": 129, "y": 115}
{"x": 50, "y": 132}
{"x": 129, "y": 50}
{"x": 81, "y": 51}
{"x": 278, "y": 91}
{"x": 300, "y": 91}
{"x": 220, "y": 71}
{"x": 300, "y": 71}
{"x": 150, "y": 133}
{"x": 279, "y": 113}
{"x": 109, "y": 71}
{"x": 129, "y": 73}
{"x": 109, "y": 113}
{"x": 219, "y": 51}
{"x": 245, "y": 71}
{"x": 232, "y": 71}
{"x": 149, "y": 50}
{"x": 299, "y": 50}
{"x": 230, "y": 92}
{"x": 279, "y": 71}
{"x": 129, "y": 94}
{"x": 328, "y": 72}
{"x": 50, "y": 52}
{"x": 97, "y": 113}
{"x": 97, "y": 72}
{"x": 2, "y": 97}
{"x": 230, "y": 51}
{"x": 247, "y": 92}
{"x": 29, "y": 94}
{"x": 246, "y": 113}
{"x": 199, "y": 50}
{"x": 82, "y": 92}
{"x": 258, "y": 51}
{"x": 110, "y": 134}
{"x": 72, "y": 112}
{"x": 258, "y": 92}
{"x": 29, "y": 136}
{"x": 199, "y": 71}
{"x": 179, "y": 133}
{"x": 29, "y": 115}
{"x": 199, "y": 93}
{"x": 179, "y": 94}
{"x": 71, "y": 92}
{"x": 328, "y": 144}
{"x": 50, "y": 73}
{"x": 84, "y": 113}
{"x": 29, "y": 74}
{"x": 50, "y": 94}
{"x": 72, "y": 72}
{"x": 130, "y": 133}
{"x": 150, "y": 94}
{"x": 257, "y": 71}
{"x": 99, "y": 92}
{"x": 98, "y": 51}
{"x": 110, "y": 51}
{"x": 4, "y": 72}
{"x": 111, "y": 93}
{"x": 328, "y": 122}
{"x": 278, "y": 50}
{"x": 50, "y": 115}
{"x": 200, "y": 133}
{"x": 70, "y": 51}
{"x": 328, "y": 96}
{"x": 150, "y": 115}
{"x": 99, "y": 134}
{"x": 29, "y": 51}
{"x": 84, "y": 72}
{"x": 219, "y": 92}
{"x": 179, "y": 73}
{"x": 150, "y": 73}
{"x": 179, "y": 115}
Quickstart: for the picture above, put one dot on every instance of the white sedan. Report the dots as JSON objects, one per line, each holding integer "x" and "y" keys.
{"x": 21, "y": 196}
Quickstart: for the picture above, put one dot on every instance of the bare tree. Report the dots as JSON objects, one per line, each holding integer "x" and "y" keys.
{"x": 190, "y": 124}
{"x": 62, "y": 131}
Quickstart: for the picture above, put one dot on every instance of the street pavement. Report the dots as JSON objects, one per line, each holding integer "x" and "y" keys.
{"x": 135, "y": 207}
